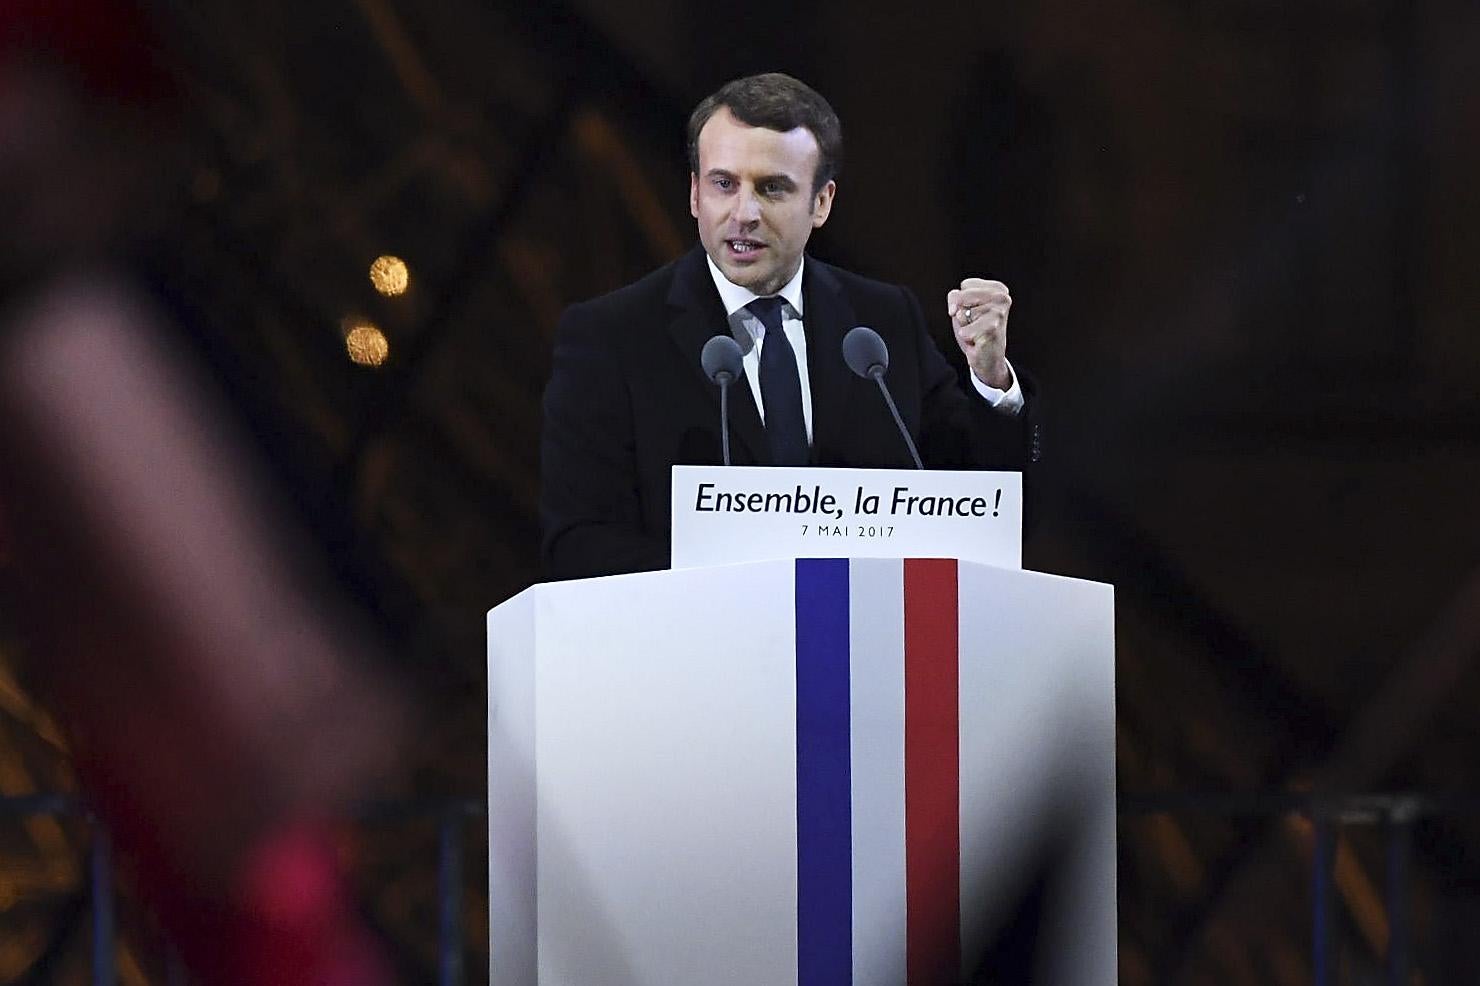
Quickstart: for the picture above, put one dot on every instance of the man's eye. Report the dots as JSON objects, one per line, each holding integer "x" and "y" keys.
{"x": 723, "y": 183}
{"x": 772, "y": 189}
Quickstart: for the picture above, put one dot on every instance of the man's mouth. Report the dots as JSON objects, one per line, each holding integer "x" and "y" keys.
{"x": 745, "y": 248}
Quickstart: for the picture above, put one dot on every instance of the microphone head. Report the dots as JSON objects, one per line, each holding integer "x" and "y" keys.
{"x": 722, "y": 355}
{"x": 864, "y": 352}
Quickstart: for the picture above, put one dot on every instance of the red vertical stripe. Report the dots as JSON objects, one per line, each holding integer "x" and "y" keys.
{"x": 931, "y": 764}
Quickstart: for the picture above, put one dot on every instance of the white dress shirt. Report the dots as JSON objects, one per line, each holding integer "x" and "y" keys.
{"x": 745, "y": 326}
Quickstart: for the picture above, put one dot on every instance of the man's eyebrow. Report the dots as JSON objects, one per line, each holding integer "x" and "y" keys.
{"x": 784, "y": 180}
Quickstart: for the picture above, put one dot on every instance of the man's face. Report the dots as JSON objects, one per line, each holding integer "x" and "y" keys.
{"x": 754, "y": 202}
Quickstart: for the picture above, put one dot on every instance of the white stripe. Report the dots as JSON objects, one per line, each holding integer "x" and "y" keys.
{"x": 876, "y": 695}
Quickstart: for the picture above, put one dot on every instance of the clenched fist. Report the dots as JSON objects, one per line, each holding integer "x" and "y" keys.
{"x": 978, "y": 311}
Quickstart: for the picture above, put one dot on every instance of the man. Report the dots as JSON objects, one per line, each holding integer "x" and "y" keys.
{"x": 628, "y": 399}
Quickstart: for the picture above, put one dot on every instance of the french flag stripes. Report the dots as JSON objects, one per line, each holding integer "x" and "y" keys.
{"x": 797, "y": 771}
{"x": 877, "y": 806}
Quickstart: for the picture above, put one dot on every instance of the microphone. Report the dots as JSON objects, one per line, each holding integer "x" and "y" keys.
{"x": 723, "y": 365}
{"x": 867, "y": 356}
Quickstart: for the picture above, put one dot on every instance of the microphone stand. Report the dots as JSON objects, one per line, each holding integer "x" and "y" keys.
{"x": 721, "y": 361}
{"x": 724, "y": 379}
{"x": 876, "y": 374}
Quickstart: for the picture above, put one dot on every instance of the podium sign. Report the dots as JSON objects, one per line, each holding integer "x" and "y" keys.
{"x": 728, "y": 514}
{"x": 815, "y": 771}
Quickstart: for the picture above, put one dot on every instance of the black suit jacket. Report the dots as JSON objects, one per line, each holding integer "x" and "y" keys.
{"x": 627, "y": 400}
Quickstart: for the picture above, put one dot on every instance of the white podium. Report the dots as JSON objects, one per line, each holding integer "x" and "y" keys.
{"x": 815, "y": 771}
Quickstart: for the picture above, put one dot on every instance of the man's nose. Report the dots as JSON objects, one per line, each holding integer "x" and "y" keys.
{"x": 748, "y": 208}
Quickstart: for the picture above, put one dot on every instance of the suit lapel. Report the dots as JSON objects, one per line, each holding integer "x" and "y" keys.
{"x": 696, "y": 315}
{"x": 828, "y": 316}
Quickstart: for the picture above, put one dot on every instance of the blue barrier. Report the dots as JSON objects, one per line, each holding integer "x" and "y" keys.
{"x": 451, "y": 815}
{"x": 1395, "y": 813}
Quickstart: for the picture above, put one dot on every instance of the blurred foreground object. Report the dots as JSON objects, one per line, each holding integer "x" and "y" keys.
{"x": 208, "y": 682}
{"x": 213, "y": 684}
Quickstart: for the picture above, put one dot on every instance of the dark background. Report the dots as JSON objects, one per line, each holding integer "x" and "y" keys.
{"x": 1240, "y": 237}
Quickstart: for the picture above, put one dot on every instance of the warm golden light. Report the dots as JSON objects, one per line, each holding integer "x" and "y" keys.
{"x": 389, "y": 275}
{"x": 365, "y": 343}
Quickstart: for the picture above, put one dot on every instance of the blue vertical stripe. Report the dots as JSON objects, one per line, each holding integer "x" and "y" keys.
{"x": 824, "y": 815}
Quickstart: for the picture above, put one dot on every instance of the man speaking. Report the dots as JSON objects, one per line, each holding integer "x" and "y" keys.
{"x": 628, "y": 397}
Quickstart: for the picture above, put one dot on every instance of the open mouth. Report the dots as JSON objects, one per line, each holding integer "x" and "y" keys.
{"x": 745, "y": 248}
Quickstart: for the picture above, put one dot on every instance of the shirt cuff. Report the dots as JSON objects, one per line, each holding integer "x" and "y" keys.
{"x": 1009, "y": 401}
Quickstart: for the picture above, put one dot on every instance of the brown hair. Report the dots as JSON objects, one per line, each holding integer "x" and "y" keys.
{"x": 777, "y": 102}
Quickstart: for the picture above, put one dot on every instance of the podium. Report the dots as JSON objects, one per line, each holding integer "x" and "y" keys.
{"x": 809, "y": 771}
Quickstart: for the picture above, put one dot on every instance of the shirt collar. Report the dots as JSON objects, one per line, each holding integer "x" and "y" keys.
{"x": 735, "y": 297}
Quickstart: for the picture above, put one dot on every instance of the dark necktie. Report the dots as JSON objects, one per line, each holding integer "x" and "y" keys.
{"x": 781, "y": 387}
